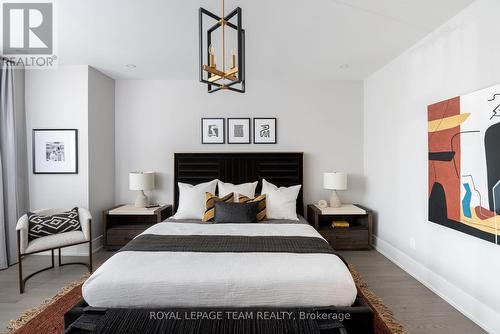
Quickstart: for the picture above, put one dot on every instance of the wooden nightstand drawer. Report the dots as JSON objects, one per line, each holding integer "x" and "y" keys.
{"x": 348, "y": 238}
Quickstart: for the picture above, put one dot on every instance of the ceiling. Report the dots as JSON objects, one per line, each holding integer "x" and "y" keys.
{"x": 285, "y": 39}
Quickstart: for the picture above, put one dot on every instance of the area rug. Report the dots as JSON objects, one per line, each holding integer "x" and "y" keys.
{"x": 384, "y": 321}
{"x": 48, "y": 318}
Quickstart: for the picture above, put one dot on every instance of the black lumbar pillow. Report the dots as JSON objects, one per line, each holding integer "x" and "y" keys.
{"x": 235, "y": 212}
{"x": 42, "y": 226}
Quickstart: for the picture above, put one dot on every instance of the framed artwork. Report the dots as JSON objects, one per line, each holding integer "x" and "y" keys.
{"x": 464, "y": 163}
{"x": 265, "y": 131}
{"x": 238, "y": 130}
{"x": 55, "y": 151}
{"x": 212, "y": 131}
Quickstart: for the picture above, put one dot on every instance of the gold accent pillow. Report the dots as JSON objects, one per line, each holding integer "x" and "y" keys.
{"x": 261, "y": 207}
{"x": 210, "y": 200}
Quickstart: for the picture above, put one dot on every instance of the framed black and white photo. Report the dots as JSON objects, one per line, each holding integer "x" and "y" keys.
{"x": 238, "y": 130}
{"x": 265, "y": 131}
{"x": 212, "y": 131}
{"x": 55, "y": 151}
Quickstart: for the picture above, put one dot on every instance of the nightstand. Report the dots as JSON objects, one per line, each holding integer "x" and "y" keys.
{"x": 357, "y": 236}
{"x": 124, "y": 222}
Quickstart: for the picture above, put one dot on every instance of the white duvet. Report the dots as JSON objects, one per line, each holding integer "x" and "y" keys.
{"x": 132, "y": 279}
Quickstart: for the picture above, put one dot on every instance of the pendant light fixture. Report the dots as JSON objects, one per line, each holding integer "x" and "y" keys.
{"x": 220, "y": 76}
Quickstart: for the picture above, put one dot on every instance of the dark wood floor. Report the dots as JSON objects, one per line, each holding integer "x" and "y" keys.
{"x": 418, "y": 308}
{"x": 415, "y": 306}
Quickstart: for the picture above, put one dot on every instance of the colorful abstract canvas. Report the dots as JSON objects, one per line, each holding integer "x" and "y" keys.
{"x": 464, "y": 163}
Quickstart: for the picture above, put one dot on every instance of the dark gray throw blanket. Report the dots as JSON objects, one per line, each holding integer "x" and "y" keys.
{"x": 228, "y": 244}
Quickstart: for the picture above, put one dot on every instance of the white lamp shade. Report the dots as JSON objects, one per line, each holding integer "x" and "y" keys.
{"x": 335, "y": 181}
{"x": 141, "y": 180}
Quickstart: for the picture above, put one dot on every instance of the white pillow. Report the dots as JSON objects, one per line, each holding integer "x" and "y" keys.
{"x": 192, "y": 199}
{"x": 281, "y": 203}
{"x": 245, "y": 189}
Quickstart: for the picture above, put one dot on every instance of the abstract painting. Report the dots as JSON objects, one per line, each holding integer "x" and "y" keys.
{"x": 464, "y": 163}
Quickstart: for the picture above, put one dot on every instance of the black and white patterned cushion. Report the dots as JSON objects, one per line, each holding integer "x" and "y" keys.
{"x": 42, "y": 226}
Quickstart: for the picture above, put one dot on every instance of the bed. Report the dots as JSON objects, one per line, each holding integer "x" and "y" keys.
{"x": 186, "y": 264}
{"x": 221, "y": 279}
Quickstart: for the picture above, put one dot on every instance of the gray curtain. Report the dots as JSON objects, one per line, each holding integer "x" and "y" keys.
{"x": 13, "y": 159}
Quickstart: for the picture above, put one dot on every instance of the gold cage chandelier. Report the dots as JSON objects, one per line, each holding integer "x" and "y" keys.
{"x": 220, "y": 78}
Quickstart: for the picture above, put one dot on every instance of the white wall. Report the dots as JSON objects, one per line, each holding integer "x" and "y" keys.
{"x": 77, "y": 97}
{"x": 460, "y": 57}
{"x": 154, "y": 119}
{"x": 101, "y": 113}
{"x": 58, "y": 99}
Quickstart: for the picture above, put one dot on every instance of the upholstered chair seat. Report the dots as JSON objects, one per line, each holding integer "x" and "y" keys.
{"x": 52, "y": 242}
{"x": 55, "y": 240}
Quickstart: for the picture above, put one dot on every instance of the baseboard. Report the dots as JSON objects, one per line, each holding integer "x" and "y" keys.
{"x": 481, "y": 314}
{"x": 80, "y": 250}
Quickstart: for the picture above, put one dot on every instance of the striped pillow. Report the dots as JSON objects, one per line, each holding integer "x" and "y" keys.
{"x": 261, "y": 208}
{"x": 210, "y": 200}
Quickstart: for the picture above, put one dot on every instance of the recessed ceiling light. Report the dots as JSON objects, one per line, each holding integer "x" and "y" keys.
{"x": 344, "y": 66}
{"x": 131, "y": 65}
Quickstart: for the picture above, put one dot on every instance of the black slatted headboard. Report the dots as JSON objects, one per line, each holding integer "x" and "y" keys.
{"x": 282, "y": 169}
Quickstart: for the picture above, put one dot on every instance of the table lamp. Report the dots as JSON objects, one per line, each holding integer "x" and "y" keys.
{"x": 335, "y": 181}
{"x": 141, "y": 181}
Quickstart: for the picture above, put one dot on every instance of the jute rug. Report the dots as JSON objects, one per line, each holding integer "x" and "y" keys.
{"x": 48, "y": 318}
{"x": 384, "y": 321}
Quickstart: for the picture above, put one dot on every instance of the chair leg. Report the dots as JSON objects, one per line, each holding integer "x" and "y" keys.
{"x": 20, "y": 261}
{"x": 90, "y": 255}
{"x": 21, "y": 281}
{"x": 88, "y": 264}
{"x": 90, "y": 247}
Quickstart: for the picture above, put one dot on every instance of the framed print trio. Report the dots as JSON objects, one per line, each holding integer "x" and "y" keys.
{"x": 239, "y": 131}
{"x": 55, "y": 151}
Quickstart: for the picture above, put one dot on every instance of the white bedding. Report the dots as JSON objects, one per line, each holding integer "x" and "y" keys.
{"x": 133, "y": 279}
